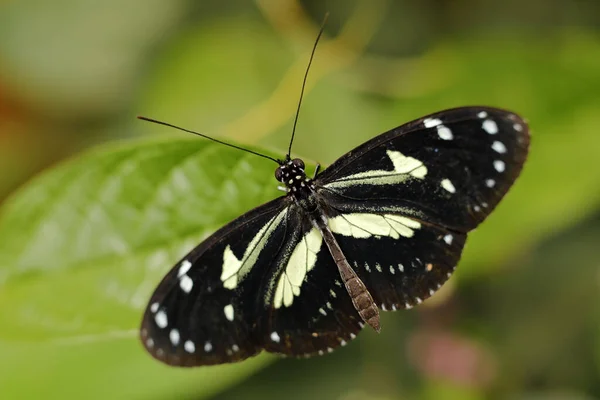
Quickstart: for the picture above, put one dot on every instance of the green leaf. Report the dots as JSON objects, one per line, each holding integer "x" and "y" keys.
{"x": 85, "y": 244}
{"x": 115, "y": 369}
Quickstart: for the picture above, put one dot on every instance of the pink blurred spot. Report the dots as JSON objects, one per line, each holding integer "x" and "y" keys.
{"x": 442, "y": 355}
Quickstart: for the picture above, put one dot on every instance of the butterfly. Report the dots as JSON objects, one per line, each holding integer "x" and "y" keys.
{"x": 380, "y": 229}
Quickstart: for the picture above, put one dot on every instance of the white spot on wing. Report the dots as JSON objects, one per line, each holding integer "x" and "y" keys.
{"x": 482, "y": 114}
{"x": 184, "y": 268}
{"x": 275, "y": 337}
{"x": 431, "y": 122}
{"x": 189, "y": 346}
{"x": 186, "y": 283}
{"x": 490, "y": 183}
{"x": 228, "y": 311}
{"x": 174, "y": 336}
{"x": 499, "y": 165}
{"x": 444, "y": 132}
{"x": 518, "y": 127}
{"x": 207, "y": 347}
{"x": 161, "y": 319}
{"x": 499, "y": 147}
{"x": 322, "y": 311}
{"x": 448, "y": 239}
{"x": 447, "y": 184}
{"x": 154, "y": 307}
{"x": 490, "y": 126}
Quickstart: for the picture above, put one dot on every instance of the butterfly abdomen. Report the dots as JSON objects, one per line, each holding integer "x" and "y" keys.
{"x": 360, "y": 296}
{"x": 363, "y": 301}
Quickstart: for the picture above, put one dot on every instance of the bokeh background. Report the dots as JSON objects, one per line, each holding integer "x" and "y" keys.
{"x": 520, "y": 318}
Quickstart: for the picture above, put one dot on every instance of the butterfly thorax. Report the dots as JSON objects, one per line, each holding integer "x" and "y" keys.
{"x": 291, "y": 173}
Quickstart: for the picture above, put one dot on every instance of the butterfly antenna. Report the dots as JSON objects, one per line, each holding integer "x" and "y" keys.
{"x": 312, "y": 54}
{"x": 208, "y": 137}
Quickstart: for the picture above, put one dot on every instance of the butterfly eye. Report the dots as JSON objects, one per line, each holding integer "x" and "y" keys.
{"x": 279, "y": 174}
{"x": 298, "y": 163}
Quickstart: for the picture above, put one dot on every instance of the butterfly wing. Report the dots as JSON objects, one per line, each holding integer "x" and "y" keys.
{"x": 307, "y": 308}
{"x": 450, "y": 168}
{"x": 203, "y": 312}
{"x": 264, "y": 281}
{"x": 401, "y": 204}
{"x": 402, "y": 261}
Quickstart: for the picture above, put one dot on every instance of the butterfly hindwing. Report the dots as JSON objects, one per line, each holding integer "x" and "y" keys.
{"x": 308, "y": 309}
{"x": 450, "y": 168}
{"x": 402, "y": 261}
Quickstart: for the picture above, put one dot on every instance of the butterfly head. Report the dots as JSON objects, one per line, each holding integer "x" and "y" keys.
{"x": 291, "y": 173}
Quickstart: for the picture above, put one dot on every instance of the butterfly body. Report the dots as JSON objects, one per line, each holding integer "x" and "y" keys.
{"x": 382, "y": 228}
{"x": 304, "y": 193}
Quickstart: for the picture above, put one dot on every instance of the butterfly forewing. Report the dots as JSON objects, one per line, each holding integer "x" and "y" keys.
{"x": 450, "y": 168}
{"x": 204, "y": 310}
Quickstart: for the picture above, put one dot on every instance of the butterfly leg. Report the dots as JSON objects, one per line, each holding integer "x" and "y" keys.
{"x": 361, "y": 298}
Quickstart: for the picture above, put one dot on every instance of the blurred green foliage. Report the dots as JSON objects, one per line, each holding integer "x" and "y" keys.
{"x": 83, "y": 244}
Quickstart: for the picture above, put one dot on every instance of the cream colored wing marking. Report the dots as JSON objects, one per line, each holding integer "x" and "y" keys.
{"x": 301, "y": 261}
{"x": 364, "y": 225}
{"x": 404, "y": 168}
{"x": 235, "y": 269}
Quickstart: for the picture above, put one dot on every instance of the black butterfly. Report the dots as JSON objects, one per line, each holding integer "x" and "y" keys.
{"x": 382, "y": 228}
